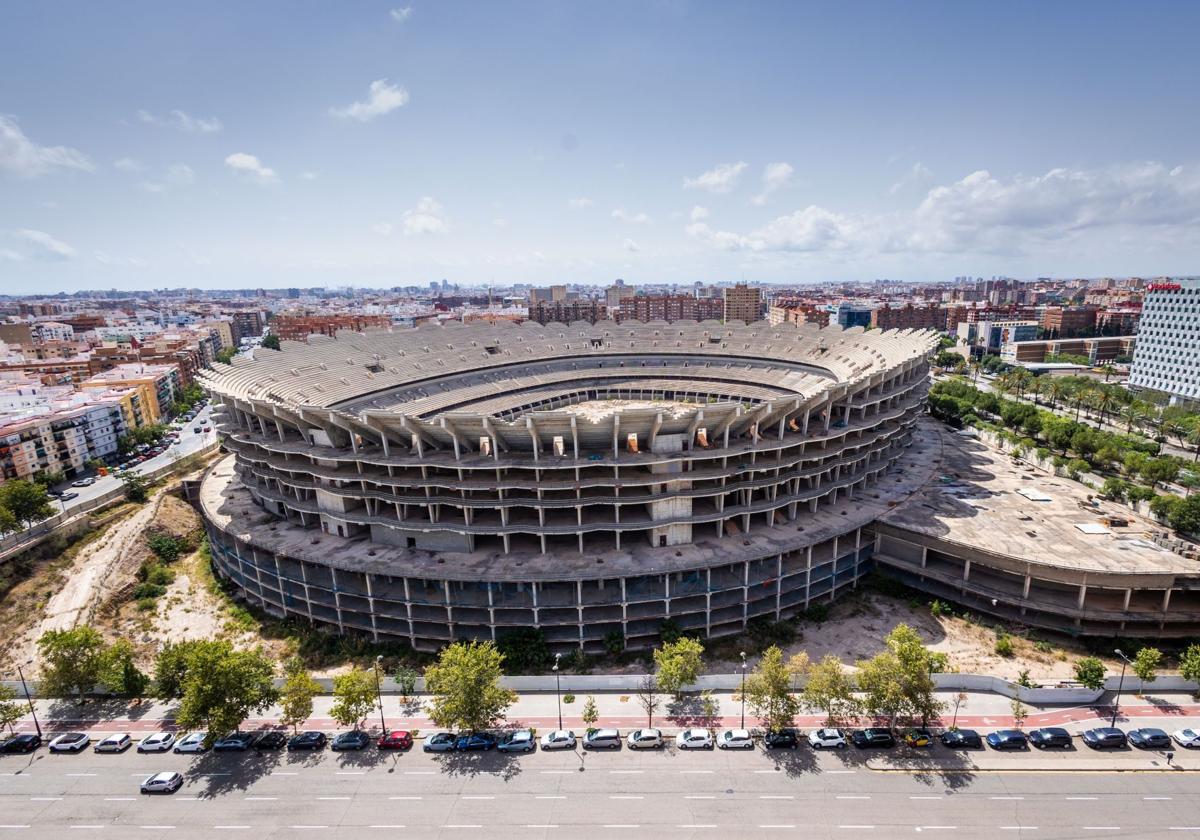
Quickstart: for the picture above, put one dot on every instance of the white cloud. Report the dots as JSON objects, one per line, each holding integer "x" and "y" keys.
{"x": 24, "y": 158}
{"x": 42, "y": 246}
{"x": 698, "y": 213}
{"x": 426, "y": 217}
{"x": 579, "y": 203}
{"x": 382, "y": 99}
{"x": 631, "y": 246}
{"x": 402, "y": 14}
{"x": 918, "y": 174}
{"x": 721, "y": 179}
{"x": 250, "y": 166}
{"x": 623, "y": 215}
{"x": 182, "y": 121}
{"x": 9, "y": 255}
{"x": 129, "y": 165}
{"x": 775, "y": 176}
{"x": 178, "y": 175}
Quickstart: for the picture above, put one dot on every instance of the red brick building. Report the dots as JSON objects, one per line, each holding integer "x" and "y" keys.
{"x": 300, "y": 327}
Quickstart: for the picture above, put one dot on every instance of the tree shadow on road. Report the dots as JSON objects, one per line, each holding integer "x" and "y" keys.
{"x": 794, "y": 762}
{"x": 224, "y": 772}
{"x": 933, "y": 765}
{"x": 99, "y": 709}
{"x": 489, "y": 762}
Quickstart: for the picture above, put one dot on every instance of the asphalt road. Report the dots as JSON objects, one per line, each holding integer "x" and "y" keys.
{"x": 572, "y": 794}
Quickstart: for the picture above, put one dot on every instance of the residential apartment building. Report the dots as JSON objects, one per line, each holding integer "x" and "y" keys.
{"x": 1167, "y": 357}
{"x": 1068, "y": 321}
{"x": 909, "y": 317}
{"x": 158, "y": 385}
{"x": 743, "y": 303}
{"x": 298, "y": 327}
{"x": 671, "y": 308}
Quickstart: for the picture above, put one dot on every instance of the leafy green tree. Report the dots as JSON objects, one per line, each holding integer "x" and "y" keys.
{"x": 26, "y": 501}
{"x": 465, "y": 688}
{"x": 170, "y": 667}
{"x": 899, "y": 681}
{"x": 1189, "y": 664}
{"x": 10, "y": 710}
{"x": 271, "y": 342}
{"x": 679, "y": 663}
{"x": 406, "y": 681}
{"x": 590, "y": 713}
{"x": 48, "y": 478}
{"x": 1019, "y": 712}
{"x": 119, "y": 672}
{"x": 525, "y": 650}
{"x": 8, "y": 521}
{"x": 296, "y": 696}
{"x": 831, "y": 690}
{"x": 222, "y": 686}
{"x": 1159, "y": 470}
{"x": 354, "y": 696}
{"x": 225, "y": 355}
{"x": 1184, "y": 516}
{"x": 137, "y": 487}
{"x": 1146, "y": 664}
{"x": 72, "y": 661}
{"x": 768, "y": 690}
{"x": 1089, "y": 671}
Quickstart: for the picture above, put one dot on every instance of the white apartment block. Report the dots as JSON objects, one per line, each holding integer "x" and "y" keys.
{"x": 1167, "y": 356}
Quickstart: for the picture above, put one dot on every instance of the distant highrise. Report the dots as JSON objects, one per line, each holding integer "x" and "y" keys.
{"x": 743, "y": 303}
{"x": 1167, "y": 355}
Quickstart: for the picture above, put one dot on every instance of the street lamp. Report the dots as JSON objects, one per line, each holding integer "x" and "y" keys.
{"x": 558, "y": 689}
{"x": 29, "y": 700}
{"x": 743, "y": 689}
{"x": 379, "y": 695}
{"x": 1120, "y": 684}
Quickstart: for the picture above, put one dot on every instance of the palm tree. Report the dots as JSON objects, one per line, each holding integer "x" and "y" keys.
{"x": 1194, "y": 440}
{"x": 1054, "y": 392}
{"x": 1035, "y": 388}
{"x": 1079, "y": 398}
{"x": 1133, "y": 414}
{"x": 1107, "y": 402}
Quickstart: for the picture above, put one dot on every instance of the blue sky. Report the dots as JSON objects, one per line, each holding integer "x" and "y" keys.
{"x": 148, "y": 145}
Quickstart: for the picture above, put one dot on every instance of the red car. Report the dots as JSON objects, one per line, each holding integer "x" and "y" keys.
{"x": 397, "y": 740}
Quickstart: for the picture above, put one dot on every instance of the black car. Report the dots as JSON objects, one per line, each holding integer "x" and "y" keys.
{"x": 23, "y": 743}
{"x": 356, "y": 740}
{"x": 1149, "y": 738}
{"x": 307, "y": 741}
{"x": 272, "y": 740}
{"x": 1050, "y": 737}
{"x": 782, "y": 739}
{"x": 1105, "y": 738}
{"x": 961, "y": 739}
{"x": 234, "y": 742}
{"x": 873, "y": 737}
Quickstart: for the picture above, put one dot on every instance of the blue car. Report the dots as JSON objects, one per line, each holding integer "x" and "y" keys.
{"x": 1007, "y": 739}
{"x": 476, "y": 741}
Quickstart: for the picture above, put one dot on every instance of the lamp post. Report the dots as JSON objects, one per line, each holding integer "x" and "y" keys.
{"x": 558, "y": 689}
{"x": 1120, "y": 684}
{"x": 29, "y": 700}
{"x": 379, "y": 695}
{"x": 743, "y": 689}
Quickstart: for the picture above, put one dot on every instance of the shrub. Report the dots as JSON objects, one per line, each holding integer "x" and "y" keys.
{"x": 1004, "y": 646}
{"x": 817, "y": 613}
{"x": 937, "y": 608}
{"x": 568, "y": 698}
{"x": 1042, "y": 646}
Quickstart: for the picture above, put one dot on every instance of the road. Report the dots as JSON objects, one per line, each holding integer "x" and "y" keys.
{"x": 578, "y": 795}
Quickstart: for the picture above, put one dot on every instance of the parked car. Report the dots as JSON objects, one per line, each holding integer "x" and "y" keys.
{"x": 68, "y": 496}
{"x": 1186, "y": 738}
{"x": 645, "y": 739}
{"x": 234, "y": 742}
{"x": 1105, "y": 738}
{"x": 1050, "y": 737}
{"x": 356, "y": 739}
{"x": 114, "y": 744}
{"x": 827, "y": 739}
{"x": 961, "y": 739}
{"x": 1007, "y": 739}
{"x": 736, "y": 739}
{"x": 439, "y": 742}
{"x": 602, "y": 739}
{"x": 476, "y": 742}
{"x": 193, "y": 742}
{"x": 70, "y": 742}
{"x": 26, "y": 742}
{"x": 84, "y": 482}
{"x": 520, "y": 741}
{"x": 873, "y": 737}
{"x": 196, "y": 430}
{"x": 167, "y": 782}
{"x": 271, "y": 740}
{"x": 1149, "y": 738}
{"x": 694, "y": 739}
{"x": 157, "y": 742}
{"x": 397, "y": 739}
{"x": 310, "y": 740}
{"x": 782, "y": 739}
{"x": 559, "y": 739}
{"x": 918, "y": 738}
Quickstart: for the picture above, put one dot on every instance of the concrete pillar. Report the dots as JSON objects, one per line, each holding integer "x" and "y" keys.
{"x": 924, "y": 555}
{"x": 1025, "y": 589}
{"x": 966, "y": 571}
{"x": 337, "y": 599}
{"x": 371, "y": 602}
{"x": 1166, "y": 601}
{"x": 1128, "y": 595}
{"x": 1082, "y": 595}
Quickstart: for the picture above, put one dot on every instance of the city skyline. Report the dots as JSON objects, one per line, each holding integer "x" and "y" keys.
{"x": 398, "y": 143}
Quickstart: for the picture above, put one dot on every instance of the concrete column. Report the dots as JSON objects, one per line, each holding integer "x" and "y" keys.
{"x": 1082, "y": 595}
{"x": 1128, "y": 595}
{"x": 745, "y": 593}
{"x": 924, "y": 555}
{"x": 778, "y": 586}
{"x": 412, "y": 634}
{"x": 1025, "y": 589}
{"x": 1166, "y": 601}
{"x": 966, "y": 571}
{"x": 337, "y": 599}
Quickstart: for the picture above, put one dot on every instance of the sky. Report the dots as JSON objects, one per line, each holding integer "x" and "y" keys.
{"x": 276, "y": 144}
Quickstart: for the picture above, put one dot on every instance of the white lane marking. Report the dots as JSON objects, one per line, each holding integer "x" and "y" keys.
{"x": 478, "y": 797}
{"x": 185, "y": 799}
{"x": 766, "y": 771}
{"x": 404, "y": 797}
{"x": 549, "y": 797}
{"x": 282, "y": 773}
{"x": 349, "y": 772}
{"x": 44, "y": 798}
{"x": 333, "y": 798}
{"x": 854, "y": 797}
{"x": 624, "y": 796}
{"x": 1157, "y": 798}
{"x": 1005, "y": 798}
{"x": 260, "y": 798}
{"x": 1081, "y": 798}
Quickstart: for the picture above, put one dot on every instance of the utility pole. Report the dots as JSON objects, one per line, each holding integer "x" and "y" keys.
{"x": 29, "y": 700}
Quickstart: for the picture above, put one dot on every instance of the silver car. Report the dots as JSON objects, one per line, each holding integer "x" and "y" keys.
{"x": 167, "y": 782}
{"x": 559, "y": 739}
{"x": 440, "y": 742}
{"x": 158, "y": 742}
{"x": 114, "y": 744}
{"x": 520, "y": 741}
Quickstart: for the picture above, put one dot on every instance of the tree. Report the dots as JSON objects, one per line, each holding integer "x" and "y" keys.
{"x": 590, "y": 713}
{"x": 679, "y": 664}
{"x": 881, "y": 679}
{"x": 222, "y": 686}
{"x": 296, "y": 696}
{"x": 899, "y": 681}
{"x": 647, "y": 697}
{"x": 136, "y": 486}
{"x": 831, "y": 690}
{"x": 119, "y": 672}
{"x": 1146, "y": 664}
{"x": 465, "y": 687}
{"x": 271, "y": 342}
{"x": 525, "y": 650}
{"x": 798, "y": 665}
{"x": 960, "y": 700}
{"x": 8, "y": 522}
{"x": 406, "y": 681}
{"x": 1184, "y": 515}
{"x": 72, "y": 661}
{"x": 1019, "y": 712}
{"x": 1189, "y": 664}
{"x": 10, "y": 710}
{"x": 26, "y": 500}
{"x": 225, "y": 355}
{"x": 768, "y": 690}
{"x": 170, "y": 667}
{"x": 354, "y": 696}
{"x": 1089, "y": 671}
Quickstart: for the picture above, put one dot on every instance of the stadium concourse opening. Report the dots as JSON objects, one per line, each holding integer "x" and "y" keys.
{"x": 454, "y": 480}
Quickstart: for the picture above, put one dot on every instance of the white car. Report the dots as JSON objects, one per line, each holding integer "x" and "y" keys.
{"x": 167, "y": 782}
{"x": 70, "y": 742}
{"x": 521, "y": 740}
{"x": 83, "y": 482}
{"x": 827, "y": 739}
{"x": 645, "y": 739}
{"x": 158, "y": 742}
{"x": 694, "y": 739}
{"x": 114, "y": 743}
{"x": 559, "y": 739}
{"x": 1189, "y": 738}
{"x": 193, "y": 742}
{"x": 440, "y": 742}
{"x": 736, "y": 739}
